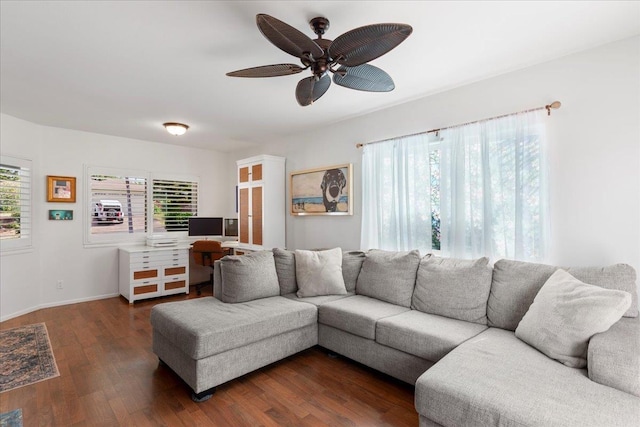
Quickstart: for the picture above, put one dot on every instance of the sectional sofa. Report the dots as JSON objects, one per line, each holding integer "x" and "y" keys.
{"x": 515, "y": 344}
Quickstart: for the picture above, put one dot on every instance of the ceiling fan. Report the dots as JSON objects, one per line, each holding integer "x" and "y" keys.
{"x": 350, "y": 52}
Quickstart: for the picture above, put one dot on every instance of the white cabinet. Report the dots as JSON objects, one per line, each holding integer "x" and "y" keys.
{"x": 147, "y": 272}
{"x": 261, "y": 202}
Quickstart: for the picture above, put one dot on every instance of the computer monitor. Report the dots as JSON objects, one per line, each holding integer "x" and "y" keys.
{"x": 205, "y": 226}
{"x": 231, "y": 227}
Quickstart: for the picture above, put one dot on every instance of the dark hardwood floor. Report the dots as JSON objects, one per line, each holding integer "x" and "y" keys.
{"x": 109, "y": 376}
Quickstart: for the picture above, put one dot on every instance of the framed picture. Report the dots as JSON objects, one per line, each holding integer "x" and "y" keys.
{"x": 322, "y": 191}
{"x": 60, "y": 215}
{"x": 61, "y": 189}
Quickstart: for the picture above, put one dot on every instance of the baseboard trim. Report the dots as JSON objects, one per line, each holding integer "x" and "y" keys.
{"x": 56, "y": 304}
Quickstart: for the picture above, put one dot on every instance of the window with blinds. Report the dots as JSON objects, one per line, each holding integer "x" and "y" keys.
{"x": 15, "y": 203}
{"x": 174, "y": 201}
{"x": 118, "y": 205}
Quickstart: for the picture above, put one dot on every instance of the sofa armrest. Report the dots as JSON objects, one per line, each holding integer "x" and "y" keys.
{"x": 217, "y": 280}
{"x": 614, "y": 356}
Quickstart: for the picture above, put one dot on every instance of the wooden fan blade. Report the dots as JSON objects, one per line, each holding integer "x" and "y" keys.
{"x": 287, "y": 38}
{"x": 364, "y": 77}
{"x": 367, "y": 43}
{"x": 309, "y": 90}
{"x": 267, "y": 71}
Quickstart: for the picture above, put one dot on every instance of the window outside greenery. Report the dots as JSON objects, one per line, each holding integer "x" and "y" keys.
{"x": 15, "y": 202}
{"x": 434, "y": 170}
{"x": 173, "y": 203}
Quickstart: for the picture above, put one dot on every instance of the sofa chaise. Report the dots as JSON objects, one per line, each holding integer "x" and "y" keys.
{"x": 510, "y": 345}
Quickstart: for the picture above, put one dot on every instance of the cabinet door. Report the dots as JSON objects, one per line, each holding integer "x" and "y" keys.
{"x": 256, "y": 172}
{"x": 256, "y": 215}
{"x": 243, "y": 174}
{"x": 244, "y": 215}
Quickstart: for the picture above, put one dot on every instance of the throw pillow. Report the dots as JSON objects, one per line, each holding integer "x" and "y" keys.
{"x": 566, "y": 313}
{"x": 455, "y": 288}
{"x": 319, "y": 273}
{"x": 248, "y": 277}
{"x": 286, "y": 269}
{"x": 389, "y": 276}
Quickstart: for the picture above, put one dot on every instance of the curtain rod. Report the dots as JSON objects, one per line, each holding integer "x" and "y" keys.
{"x": 554, "y": 105}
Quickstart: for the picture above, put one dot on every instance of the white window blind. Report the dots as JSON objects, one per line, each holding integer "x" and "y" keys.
{"x": 15, "y": 203}
{"x": 117, "y": 205}
{"x": 174, "y": 201}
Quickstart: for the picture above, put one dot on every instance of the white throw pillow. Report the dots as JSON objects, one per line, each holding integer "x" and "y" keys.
{"x": 319, "y": 273}
{"x": 566, "y": 313}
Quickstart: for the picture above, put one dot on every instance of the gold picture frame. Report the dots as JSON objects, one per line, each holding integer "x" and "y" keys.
{"x": 61, "y": 189}
{"x": 322, "y": 191}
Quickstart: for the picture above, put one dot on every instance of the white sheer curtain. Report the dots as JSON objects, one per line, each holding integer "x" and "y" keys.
{"x": 493, "y": 189}
{"x": 396, "y": 212}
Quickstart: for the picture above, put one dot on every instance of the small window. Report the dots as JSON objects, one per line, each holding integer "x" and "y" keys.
{"x": 15, "y": 203}
{"x": 117, "y": 205}
{"x": 174, "y": 201}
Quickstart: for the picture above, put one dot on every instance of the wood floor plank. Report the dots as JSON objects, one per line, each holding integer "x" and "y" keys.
{"x": 110, "y": 376}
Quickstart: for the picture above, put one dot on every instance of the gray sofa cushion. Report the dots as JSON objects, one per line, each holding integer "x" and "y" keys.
{"x": 496, "y": 379}
{"x": 424, "y": 335}
{"x": 389, "y": 276}
{"x": 613, "y": 357}
{"x": 351, "y": 266}
{"x": 286, "y": 270}
{"x": 206, "y": 326}
{"x": 455, "y": 288}
{"x": 516, "y": 283}
{"x": 357, "y": 314}
{"x": 248, "y": 277}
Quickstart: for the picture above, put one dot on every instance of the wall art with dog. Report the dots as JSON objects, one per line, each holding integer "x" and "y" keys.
{"x": 322, "y": 191}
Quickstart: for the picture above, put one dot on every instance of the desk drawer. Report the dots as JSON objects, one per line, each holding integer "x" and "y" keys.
{"x": 146, "y": 290}
{"x": 175, "y": 270}
{"x": 145, "y": 274}
{"x": 175, "y": 284}
{"x": 158, "y": 259}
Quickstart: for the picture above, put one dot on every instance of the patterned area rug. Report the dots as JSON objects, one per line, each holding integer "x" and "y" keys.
{"x": 11, "y": 419}
{"x": 25, "y": 356}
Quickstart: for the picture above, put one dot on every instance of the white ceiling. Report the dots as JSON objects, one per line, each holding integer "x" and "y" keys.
{"x": 124, "y": 67}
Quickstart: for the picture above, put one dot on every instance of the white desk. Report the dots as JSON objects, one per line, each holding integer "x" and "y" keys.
{"x": 147, "y": 272}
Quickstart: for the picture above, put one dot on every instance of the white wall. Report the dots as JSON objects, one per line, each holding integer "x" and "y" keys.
{"x": 28, "y": 280}
{"x": 595, "y": 170}
{"x": 595, "y": 150}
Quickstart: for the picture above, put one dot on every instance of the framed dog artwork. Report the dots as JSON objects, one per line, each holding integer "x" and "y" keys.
{"x": 322, "y": 191}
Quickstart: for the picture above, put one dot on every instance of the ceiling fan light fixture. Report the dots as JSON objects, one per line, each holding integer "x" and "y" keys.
{"x": 175, "y": 129}
{"x": 350, "y": 51}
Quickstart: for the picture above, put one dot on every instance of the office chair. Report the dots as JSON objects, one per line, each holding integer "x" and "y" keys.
{"x": 205, "y": 252}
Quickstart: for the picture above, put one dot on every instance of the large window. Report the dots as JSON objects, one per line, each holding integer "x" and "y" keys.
{"x": 15, "y": 203}
{"x": 117, "y": 205}
{"x": 485, "y": 191}
{"x": 125, "y": 205}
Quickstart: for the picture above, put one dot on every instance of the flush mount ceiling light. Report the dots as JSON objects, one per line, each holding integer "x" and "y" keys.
{"x": 176, "y": 128}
